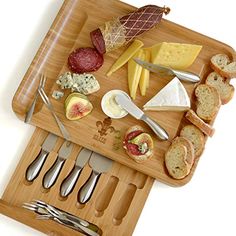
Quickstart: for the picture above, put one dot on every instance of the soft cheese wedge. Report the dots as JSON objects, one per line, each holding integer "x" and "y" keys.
{"x": 173, "y": 97}
{"x": 175, "y": 55}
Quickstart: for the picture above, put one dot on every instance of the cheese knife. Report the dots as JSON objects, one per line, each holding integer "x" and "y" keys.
{"x": 137, "y": 113}
{"x": 70, "y": 181}
{"x": 99, "y": 165}
{"x": 50, "y": 177}
{"x": 35, "y": 167}
{"x": 163, "y": 70}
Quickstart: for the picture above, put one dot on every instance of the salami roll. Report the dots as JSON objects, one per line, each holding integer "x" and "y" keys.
{"x": 120, "y": 31}
{"x": 85, "y": 60}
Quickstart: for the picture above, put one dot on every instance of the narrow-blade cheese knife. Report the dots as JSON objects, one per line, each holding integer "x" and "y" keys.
{"x": 50, "y": 177}
{"x": 159, "y": 69}
{"x": 99, "y": 165}
{"x": 137, "y": 113}
{"x": 35, "y": 167}
{"x": 69, "y": 182}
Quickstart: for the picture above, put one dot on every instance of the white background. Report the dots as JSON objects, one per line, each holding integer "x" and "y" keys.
{"x": 205, "y": 206}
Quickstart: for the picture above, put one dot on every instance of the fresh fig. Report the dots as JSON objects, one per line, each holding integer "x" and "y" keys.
{"x": 77, "y": 106}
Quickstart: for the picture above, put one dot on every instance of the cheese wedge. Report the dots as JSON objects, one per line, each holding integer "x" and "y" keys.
{"x": 127, "y": 55}
{"x": 134, "y": 73}
{"x": 144, "y": 80}
{"x": 173, "y": 97}
{"x": 175, "y": 55}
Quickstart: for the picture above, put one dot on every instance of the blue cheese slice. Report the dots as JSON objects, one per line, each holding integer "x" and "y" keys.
{"x": 57, "y": 94}
{"x": 82, "y": 83}
{"x": 173, "y": 97}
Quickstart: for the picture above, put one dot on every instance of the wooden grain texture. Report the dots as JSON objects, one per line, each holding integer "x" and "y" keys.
{"x": 121, "y": 186}
{"x": 70, "y": 30}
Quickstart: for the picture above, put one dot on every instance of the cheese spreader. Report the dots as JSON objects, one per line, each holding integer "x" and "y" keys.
{"x": 51, "y": 176}
{"x": 99, "y": 165}
{"x": 69, "y": 182}
{"x": 137, "y": 113}
{"x": 34, "y": 168}
{"x": 163, "y": 70}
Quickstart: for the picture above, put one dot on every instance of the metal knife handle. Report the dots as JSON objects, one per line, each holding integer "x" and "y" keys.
{"x": 70, "y": 181}
{"x": 186, "y": 76}
{"x": 34, "y": 168}
{"x": 51, "y": 176}
{"x": 87, "y": 189}
{"x": 157, "y": 129}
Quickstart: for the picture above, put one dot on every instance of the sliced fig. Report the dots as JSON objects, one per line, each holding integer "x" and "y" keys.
{"x": 141, "y": 139}
{"x": 77, "y": 106}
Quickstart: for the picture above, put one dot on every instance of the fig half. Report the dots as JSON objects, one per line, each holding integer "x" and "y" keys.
{"x": 77, "y": 106}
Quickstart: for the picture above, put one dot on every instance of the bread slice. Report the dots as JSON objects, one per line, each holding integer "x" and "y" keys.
{"x": 223, "y": 87}
{"x": 222, "y": 64}
{"x": 175, "y": 161}
{"x": 208, "y": 101}
{"x": 148, "y": 154}
{"x": 197, "y": 121}
{"x": 190, "y": 149}
{"x": 195, "y": 135}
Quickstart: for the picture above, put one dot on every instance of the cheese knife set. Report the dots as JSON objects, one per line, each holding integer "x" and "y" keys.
{"x": 112, "y": 108}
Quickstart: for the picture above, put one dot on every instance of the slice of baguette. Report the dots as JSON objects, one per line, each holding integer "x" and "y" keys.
{"x": 190, "y": 149}
{"x": 197, "y": 121}
{"x": 175, "y": 161}
{"x": 208, "y": 101}
{"x": 195, "y": 135}
{"x": 222, "y": 64}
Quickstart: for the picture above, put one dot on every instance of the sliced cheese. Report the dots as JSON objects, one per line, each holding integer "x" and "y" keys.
{"x": 134, "y": 73}
{"x": 144, "y": 80}
{"x": 127, "y": 55}
{"x": 173, "y": 97}
{"x": 175, "y": 55}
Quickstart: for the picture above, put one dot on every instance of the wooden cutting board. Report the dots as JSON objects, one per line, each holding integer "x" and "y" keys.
{"x": 97, "y": 132}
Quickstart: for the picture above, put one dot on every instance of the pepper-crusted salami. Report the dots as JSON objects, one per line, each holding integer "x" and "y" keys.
{"x": 116, "y": 33}
{"x": 85, "y": 60}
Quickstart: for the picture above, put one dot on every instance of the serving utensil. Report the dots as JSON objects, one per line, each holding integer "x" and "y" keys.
{"x": 49, "y": 212}
{"x": 164, "y": 70}
{"x": 137, "y": 113}
{"x": 49, "y": 105}
{"x": 30, "y": 112}
{"x": 35, "y": 167}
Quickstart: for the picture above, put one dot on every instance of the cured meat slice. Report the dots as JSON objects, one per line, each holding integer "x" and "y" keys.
{"x": 84, "y": 60}
{"x": 120, "y": 31}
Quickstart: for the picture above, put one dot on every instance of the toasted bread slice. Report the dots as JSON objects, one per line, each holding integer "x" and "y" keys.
{"x": 222, "y": 85}
{"x": 201, "y": 124}
{"x": 195, "y": 135}
{"x": 175, "y": 161}
{"x": 190, "y": 149}
{"x": 222, "y": 64}
{"x": 208, "y": 101}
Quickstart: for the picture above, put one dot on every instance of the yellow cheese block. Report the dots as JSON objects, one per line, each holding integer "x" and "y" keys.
{"x": 134, "y": 73}
{"x": 175, "y": 55}
{"x": 125, "y": 56}
{"x": 144, "y": 80}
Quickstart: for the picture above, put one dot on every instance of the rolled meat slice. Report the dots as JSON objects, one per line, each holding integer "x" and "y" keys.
{"x": 118, "y": 32}
{"x": 84, "y": 60}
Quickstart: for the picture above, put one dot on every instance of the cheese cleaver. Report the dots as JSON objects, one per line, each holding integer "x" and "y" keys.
{"x": 163, "y": 70}
{"x": 35, "y": 167}
{"x": 50, "y": 177}
{"x": 69, "y": 182}
{"x": 137, "y": 113}
{"x": 99, "y": 165}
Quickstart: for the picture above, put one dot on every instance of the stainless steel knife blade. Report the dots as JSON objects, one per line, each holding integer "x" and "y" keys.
{"x": 51, "y": 176}
{"x": 99, "y": 165}
{"x": 137, "y": 113}
{"x": 34, "y": 168}
{"x": 163, "y": 70}
{"x": 69, "y": 182}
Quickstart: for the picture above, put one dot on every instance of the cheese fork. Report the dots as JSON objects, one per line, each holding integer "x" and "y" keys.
{"x": 30, "y": 112}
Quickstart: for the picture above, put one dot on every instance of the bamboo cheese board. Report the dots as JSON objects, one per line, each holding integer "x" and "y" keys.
{"x": 115, "y": 206}
{"x": 97, "y": 132}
